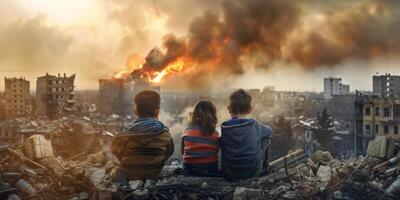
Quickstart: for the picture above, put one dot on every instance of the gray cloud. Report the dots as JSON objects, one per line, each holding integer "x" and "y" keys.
{"x": 364, "y": 31}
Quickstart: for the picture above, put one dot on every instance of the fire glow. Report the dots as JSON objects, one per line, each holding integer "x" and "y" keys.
{"x": 134, "y": 62}
{"x": 122, "y": 74}
{"x": 151, "y": 76}
{"x": 172, "y": 68}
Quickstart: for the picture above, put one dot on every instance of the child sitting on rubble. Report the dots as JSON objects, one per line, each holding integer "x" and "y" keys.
{"x": 199, "y": 145}
{"x": 145, "y": 144}
{"x": 244, "y": 141}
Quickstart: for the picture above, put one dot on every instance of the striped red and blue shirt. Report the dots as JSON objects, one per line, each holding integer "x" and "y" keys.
{"x": 199, "y": 147}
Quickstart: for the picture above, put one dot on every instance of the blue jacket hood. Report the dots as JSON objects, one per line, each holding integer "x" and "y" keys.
{"x": 241, "y": 142}
{"x": 237, "y": 122}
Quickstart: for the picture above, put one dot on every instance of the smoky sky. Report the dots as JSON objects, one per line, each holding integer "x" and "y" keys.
{"x": 133, "y": 16}
{"x": 363, "y": 30}
{"x": 215, "y": 38}
{"x": 281, "y": 30}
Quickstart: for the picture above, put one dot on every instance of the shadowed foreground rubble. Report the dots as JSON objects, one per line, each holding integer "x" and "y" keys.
{"x": 33, "y": 172}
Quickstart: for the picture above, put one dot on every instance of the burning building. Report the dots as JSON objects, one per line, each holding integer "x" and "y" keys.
{"x": 55, "y": 94}
{"x": 117, "y": 92}
{"x": 17, "y": 97}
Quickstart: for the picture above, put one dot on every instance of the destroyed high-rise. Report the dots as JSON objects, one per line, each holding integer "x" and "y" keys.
{"x": 17, "y": 97}
{"x": 55, "y": 94}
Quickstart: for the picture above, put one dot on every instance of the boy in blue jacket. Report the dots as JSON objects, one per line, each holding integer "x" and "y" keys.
{"x": 244, "y": 141}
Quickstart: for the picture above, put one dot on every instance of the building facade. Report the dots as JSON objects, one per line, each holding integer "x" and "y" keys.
{"x": 382, "y": 116}
{"x": 112, "y": 96}
{"x": 345, "y": 89}
{"x": 116, "y": 95}
{"x": 55, "y": 94}
{"x": 268, "y": 96}
{"x": 377, "y": 113}
{"x": 333, "y": 86}
{"x": 17, "y": 97}
{"x": 375, "y": 116}
{"x": 361, "y": 139}
{"x": 9, "y": 133}
{"x": 386, "y": 85}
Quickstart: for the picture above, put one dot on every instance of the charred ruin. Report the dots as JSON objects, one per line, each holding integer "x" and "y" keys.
{"x": 55, "y": 94}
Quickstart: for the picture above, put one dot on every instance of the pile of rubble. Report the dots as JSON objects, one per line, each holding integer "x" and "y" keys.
{"x": 294, "y": 176}
{"x": 32, "y": 171}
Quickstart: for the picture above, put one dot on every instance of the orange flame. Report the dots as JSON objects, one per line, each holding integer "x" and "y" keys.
{"x": 133, "y": 62}
{"x": 172, "y": 68}
{"x": 122, "y": 74}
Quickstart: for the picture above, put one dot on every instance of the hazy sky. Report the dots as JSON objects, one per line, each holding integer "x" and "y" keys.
{"x": 93, "y": 38}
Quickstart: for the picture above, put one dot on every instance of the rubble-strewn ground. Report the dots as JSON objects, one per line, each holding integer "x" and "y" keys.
{"x": 70, "y": 160}
{"x": 31, "y": 171}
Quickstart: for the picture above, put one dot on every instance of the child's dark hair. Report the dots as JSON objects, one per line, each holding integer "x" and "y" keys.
{"x": 205, "y": 116}
{"x": 147, "y": 102}
{"x": 240, "y": 102}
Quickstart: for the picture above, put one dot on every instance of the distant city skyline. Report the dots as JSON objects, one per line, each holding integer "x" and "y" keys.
{"x": 286, "y": 80}
{"x": 255, "y": 83}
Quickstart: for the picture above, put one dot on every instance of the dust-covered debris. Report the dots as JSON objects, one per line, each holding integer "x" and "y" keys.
{"x": 40, "y": 168}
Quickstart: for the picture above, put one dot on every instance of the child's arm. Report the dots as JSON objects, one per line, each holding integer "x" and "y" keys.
{"x": 170, "y": 149}
{"x": 265, "y": 131}
{"x": 182, "y": 146}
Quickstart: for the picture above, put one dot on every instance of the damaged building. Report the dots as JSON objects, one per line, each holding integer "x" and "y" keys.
{"x": 9, "y": 133}
{"x": 376, "y": 116}
{"x": 116, "y": 95}
{"x": 17, "y": 97}
{"x": 55, "y": 94}
{"x": 382, "y": 116}
{"x": 377, "y": 113}
{"x": 111, "y": 92}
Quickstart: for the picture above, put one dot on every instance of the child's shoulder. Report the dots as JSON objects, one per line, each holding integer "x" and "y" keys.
{"x": 261, "y": 123}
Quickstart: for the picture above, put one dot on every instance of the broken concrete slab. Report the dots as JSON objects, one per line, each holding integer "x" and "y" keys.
{"x": 38, "y": 147}
{"x": 247, "y": 194}
{"x": 325, "y": 175}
